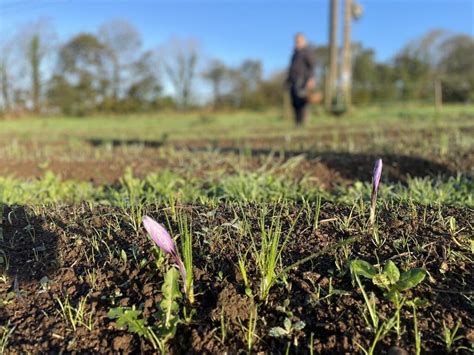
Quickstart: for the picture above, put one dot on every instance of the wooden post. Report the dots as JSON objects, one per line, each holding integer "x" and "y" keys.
{"x": 331, "y": 75}
{"x": 347, "y": 55}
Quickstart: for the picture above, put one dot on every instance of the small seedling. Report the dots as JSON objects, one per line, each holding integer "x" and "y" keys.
{"x": 417, "y": 302}
{"x": 389, "y": 278}
{"x": 267, "y": 255}
{"x": 288, "y": 330}
{"x": 243, "y": 272}
{"x": 391, "y": 281}
{"x": 251, "y": 328}
{"x": 76, "y": 316}
{"x": 450, "y": 336}
{"x": 364, "y": 269}
{"x": 158, "y": 334}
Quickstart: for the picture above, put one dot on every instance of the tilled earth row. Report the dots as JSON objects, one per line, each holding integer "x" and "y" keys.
{"x": 328, "y": 169}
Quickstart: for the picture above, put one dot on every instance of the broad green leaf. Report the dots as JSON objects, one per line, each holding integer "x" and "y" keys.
{"x": 392, "y": 272}
{"x": 171, "y": 292}
{"x": 287, "y": 324}
{"x": 363, "y": 268}
{"x": 277, "y": 332}
{"x": 170, "y": 287}
{"x": 410, "y": 279}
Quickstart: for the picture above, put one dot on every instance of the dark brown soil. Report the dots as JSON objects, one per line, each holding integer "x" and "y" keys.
{"x": 68, "y": 245}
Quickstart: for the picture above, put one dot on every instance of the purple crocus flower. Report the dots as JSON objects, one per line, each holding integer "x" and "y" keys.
{"x": 164, "y": 241}
{"x": 375, "y": 187}
{"x": 376, "y": 176}
{"x": 160, "y": 235}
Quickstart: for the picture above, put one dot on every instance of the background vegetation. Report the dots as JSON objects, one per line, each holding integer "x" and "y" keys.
{"x": 110, "y": 72}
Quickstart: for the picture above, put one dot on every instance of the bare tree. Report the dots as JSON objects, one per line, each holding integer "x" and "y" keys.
{"x": 124, "y": 43}
{"x": 180, "y": 60}
{"x": 426, "y": 48}
{"x": 216, "y": 74}
{"x": 416, "y": 64}
{"x": 145, "y": 86}
{"x": 35, "y": 42}
{"x": 246, "y": 79}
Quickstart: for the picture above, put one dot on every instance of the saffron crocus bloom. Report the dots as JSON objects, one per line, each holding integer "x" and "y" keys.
{"x": 162, "y": 238}
{"x": 159, "y": 235}
{"x": 375, "y": 187}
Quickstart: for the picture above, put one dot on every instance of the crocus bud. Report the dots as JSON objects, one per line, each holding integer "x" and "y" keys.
{"x": 160, "y": 236}
{"x": 376, "y": 176}
{"x": 375, "y": 187}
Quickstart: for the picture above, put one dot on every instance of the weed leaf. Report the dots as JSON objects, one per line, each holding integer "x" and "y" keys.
{"x": 410, "y": 279}
{"x": 363, "y": 268}
{"x": 128, "y": 318}
{"x": 392, "y": 272}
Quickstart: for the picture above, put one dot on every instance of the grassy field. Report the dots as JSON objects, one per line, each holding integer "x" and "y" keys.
{"x": 272, "y": 222}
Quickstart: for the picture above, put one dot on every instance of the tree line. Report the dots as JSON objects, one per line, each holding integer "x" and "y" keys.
{"x": 111, "y": 71}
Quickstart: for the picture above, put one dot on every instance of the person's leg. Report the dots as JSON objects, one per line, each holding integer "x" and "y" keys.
{"x": 304, "y": 114}
{"x": 295, "y": 106}
{"x": 300, "y": 115}
{"x": 299, "y": 105}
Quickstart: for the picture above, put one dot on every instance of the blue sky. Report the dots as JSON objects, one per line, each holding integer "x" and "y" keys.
{"x": 234, "y": 30}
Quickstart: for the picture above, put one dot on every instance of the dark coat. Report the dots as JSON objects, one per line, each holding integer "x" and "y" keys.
{"x": 301, "y": 70}
{"x": 301, "y": 66}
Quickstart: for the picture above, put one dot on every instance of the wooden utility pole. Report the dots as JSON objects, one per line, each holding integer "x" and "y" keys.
{"x": 346, "y": 69}
{"x": 35, "y": 63}
{"x": 331, "y": 75}
{"x": 438, "y": 94}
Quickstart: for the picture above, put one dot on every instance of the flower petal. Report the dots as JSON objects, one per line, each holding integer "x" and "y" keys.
{"x": 376, "y": 175}
{"x": 159, "y": 235}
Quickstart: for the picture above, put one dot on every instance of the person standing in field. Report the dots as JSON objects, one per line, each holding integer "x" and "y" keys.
{"x": 300, "y": 78}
